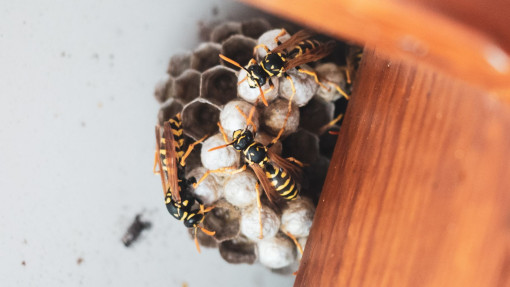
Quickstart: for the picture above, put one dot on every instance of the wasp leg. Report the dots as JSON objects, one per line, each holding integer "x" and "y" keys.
{"x": 348, "y": 75}
{"x": 190, "y": 149}
{"x": 311, "y": 73}
{"x": 222, "y": 131}
{"x": 339, "y": 90}
{"x": 337, "y": 87}
{"x": 196, "y": 226}
{"x": 247, "y": 118}
{"x": 208, "y": 232}
{"x": 223, "y": 169}
{"x": 262, "y": 95}
{"x": 291, "y": 159}
{"x": 271, "y": 87}
{"x": 202, "y": 209}
{"x": 295, "y": 242}
{"x": 196, "y": 240}
{"x": 156, "y": 161}
{"x": 259, "y": 207}
{"x": 277, "y": 38}
{"x": 288, "y": 112}
{"x": 330, "y": 124}
{"x": 293, "y": 92}
{"x": 252, "y": 112}
{"x": 257, "y": 47}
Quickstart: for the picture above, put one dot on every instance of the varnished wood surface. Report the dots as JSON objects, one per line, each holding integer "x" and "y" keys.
{"x": 418, "y": 190}
{"x": 469, "y": 39}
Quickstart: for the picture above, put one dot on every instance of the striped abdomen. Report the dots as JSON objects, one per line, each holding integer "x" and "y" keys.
{"x": 180, "y": 210}
{"x": 282, "y": 182}
{"x": 303, "y": 47}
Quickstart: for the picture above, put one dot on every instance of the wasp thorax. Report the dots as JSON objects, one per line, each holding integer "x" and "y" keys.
{"x": 242, "y": 139}
{"x": 274, "y": 64}
{"x": 256, "y": 76}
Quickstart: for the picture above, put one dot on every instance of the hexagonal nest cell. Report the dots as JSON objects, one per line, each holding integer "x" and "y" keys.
{"x": 238, "y": 250}
{"x": 224, "y": 220}
{"x": 168, "y": 109}
{"x": 199, "y": 87}
{"x": 199, "y": 118}
{"x": 238, "y": 48}
{"x": 187, "y": 86}
{"x": 219, "y": 85}
{"x": 206, "y": 56}
{"x": 224, "y": 31}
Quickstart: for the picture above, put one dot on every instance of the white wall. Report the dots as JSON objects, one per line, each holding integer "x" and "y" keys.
{"x": 77, "y": 122}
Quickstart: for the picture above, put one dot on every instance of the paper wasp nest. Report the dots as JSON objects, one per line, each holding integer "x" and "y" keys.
{"x": 206, "y": 90}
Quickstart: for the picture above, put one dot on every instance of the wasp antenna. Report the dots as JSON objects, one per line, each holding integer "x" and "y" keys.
{"x": 196, "y": 241}
{"x": 250, "y": 115}
{"x": 295, "y": 242}
{"x": 249, "y": 122}
{"x": 262, "y": 95}
{"x": 241, "y": 81}
{"x": 225, "y": 58}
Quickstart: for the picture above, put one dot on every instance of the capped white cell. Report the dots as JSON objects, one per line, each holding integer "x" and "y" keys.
{"x": 250, "y": 222}
{"x": 276, "y": 252}
{"x": 240, "y": 189}
{"x": 209, "y": 190}
{"x": 268, "y": 39}
{"x": 297, "y": 217}
{"x": 220, "y": 158}
{"x": 231, "y": 119}
{"x": 273, "y": 118}
{"x": 330, "y": 74}
{"x": 304, "y": 84}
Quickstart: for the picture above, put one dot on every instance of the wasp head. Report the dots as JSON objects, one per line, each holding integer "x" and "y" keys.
{"x": 242, "y": 139}
{"x": 193, "y": 219}
{"x": 257, "y": 77}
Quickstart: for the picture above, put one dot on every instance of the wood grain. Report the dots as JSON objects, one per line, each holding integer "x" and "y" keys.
{"x": 418, "y": 190}
{"x": 469, "y": 39}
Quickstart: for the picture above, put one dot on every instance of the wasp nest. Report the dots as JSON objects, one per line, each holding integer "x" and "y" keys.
{"x": 208, "y": 90}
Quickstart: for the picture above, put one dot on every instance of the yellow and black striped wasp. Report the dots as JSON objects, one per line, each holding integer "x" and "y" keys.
{"x": 278, "y": 176}
{"x": 298, "y": 50}
{"x": 171, "y": 159}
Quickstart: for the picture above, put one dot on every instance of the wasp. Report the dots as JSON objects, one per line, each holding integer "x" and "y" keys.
{"x": 171, "y": 159}
{"x": 296, "y": 51}
{"x": 353, "y": 59}
{"x": 278, "y": 176}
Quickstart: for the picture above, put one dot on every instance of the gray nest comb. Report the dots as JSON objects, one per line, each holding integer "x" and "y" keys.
{"x": 200, "y": 86}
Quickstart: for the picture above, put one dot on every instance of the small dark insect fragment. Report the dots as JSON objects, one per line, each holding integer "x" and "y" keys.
{"x": 134, "y": 230}
{"x": 79, "y": 261}
{"x": 23, "y": 263}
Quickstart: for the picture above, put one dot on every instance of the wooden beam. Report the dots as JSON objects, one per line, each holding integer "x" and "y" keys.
{"x": 417, "y": 192}
{"x": 472, "y": 45}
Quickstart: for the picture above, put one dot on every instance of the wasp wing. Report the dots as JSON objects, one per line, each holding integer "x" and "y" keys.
{"x": 171, "y": 162}
{"x": 270, "y": 191}
{"x": 158, "y": 159}
{"x": 293, "y": 170}
{"x": 311, "y": 55}
{"x": 292, "y": 41}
